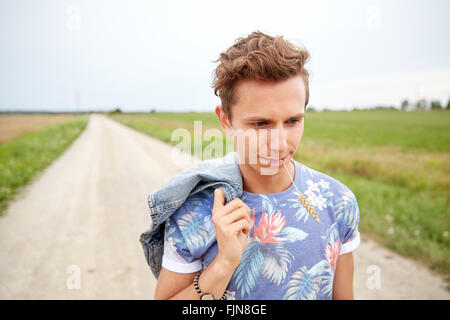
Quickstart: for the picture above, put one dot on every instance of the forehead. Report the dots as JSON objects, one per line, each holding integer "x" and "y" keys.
{"x": 269, "y": 99}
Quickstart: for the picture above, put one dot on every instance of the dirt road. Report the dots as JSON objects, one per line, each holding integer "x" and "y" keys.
{"x": 73, "y": 232}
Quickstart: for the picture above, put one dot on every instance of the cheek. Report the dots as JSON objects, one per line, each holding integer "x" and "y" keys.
{"x": 296, "y": 137}
{"x": 298, "y": 134}
{"x": 246, "y": 144}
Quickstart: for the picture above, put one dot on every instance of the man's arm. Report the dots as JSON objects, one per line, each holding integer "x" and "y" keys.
{"x": 343, "y": 278}
{"x": 232, "y": 227}
{"x": 178, "y": 286}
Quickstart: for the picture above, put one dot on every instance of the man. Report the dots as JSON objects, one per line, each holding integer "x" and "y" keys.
{"x": 268, "y": 244}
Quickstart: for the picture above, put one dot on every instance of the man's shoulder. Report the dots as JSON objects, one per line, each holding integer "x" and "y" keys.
{"x": 315, "y": 178}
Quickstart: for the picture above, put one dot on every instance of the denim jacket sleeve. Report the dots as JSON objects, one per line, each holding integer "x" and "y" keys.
{"x": 221, "y": 173}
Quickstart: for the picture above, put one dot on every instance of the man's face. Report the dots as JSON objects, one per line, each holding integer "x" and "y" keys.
{"x": 267, "y": 122}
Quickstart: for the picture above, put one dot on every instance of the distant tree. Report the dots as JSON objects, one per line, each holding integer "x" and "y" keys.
{"x": 152, "y": 111}
{"x": 436, "y": 105}
{"x": 448, "y": 104}
{"x": 405, "y": 104}
{"x": 116, "y": 110}
{"x": 421, "y": 104}
{"x": 310, "y": 109}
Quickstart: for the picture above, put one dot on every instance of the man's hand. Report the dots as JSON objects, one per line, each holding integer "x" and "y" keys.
{"x": 232, "y": 226}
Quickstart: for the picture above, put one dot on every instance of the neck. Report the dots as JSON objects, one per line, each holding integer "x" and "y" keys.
{"x": 255, "y": 182}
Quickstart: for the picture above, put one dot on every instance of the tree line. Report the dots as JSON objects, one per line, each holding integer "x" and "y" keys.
{"x": 422, "y": 104}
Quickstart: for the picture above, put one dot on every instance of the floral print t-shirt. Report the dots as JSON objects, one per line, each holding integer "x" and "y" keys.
{"x": 289, "y": 255}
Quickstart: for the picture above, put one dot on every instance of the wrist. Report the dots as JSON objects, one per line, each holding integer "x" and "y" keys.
{"x": 223, "y": 265}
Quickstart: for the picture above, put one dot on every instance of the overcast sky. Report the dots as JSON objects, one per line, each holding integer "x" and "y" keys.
{"x": 95, "y": 54}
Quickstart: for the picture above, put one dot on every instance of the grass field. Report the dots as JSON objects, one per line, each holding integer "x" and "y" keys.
{"x": 12, "y": 126}
{"x": 397, "y": 164}
{"x": 22, "y": 158}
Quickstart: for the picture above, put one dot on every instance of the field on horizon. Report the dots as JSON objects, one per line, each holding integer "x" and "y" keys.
{"x": 397, "y": 164}
{"x": 13, "y": 126}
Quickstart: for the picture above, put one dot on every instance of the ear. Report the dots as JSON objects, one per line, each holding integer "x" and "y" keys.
{"x": 223, "y": 120}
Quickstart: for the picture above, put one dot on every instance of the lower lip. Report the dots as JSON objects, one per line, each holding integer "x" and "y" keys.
{"x": 273, "y": 162}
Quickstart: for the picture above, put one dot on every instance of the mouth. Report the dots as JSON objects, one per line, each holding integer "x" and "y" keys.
{"x": 273, "y": 161}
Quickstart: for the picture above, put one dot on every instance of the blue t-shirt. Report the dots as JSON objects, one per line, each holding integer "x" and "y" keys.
{"x": 289, "y": 255}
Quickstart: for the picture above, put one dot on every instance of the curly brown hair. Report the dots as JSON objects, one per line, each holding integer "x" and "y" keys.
{"x": 258, "y": 57}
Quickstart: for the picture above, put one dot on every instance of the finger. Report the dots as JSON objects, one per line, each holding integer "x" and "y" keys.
{"x": 241, "y": 225}
{"x": 236, "y": 215}
{"x": 234, "y": 205}
{"x": 219, "y": 199}
{"x": 220, "y": 210}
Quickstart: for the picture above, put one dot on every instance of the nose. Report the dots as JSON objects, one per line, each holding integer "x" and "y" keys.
{"x": 279, "y": 144}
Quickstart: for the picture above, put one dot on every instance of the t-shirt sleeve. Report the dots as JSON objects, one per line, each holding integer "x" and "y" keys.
{"x": 189, "y": 232}
{"x": 174, "y": 261}
{"x": 348, "y": 217}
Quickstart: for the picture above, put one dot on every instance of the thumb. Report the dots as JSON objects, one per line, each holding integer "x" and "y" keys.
{"x": 219, "y": 198}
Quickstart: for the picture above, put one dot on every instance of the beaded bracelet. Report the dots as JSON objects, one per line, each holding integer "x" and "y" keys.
{"x": 201, "y": 293}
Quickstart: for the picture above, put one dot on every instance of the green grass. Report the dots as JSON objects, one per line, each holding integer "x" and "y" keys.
{"x": 418, "y": 131}
{"x": 397, "y": 164}
{"x": 23, "y": 158}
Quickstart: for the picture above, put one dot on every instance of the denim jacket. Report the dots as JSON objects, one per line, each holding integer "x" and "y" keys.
{"x": 221, "y": 173}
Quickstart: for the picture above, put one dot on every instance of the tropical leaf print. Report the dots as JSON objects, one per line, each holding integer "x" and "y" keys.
{"x": 332, "y": 233}
{"x": 326, "y": 283}
{"x": 292, "y": 234}
{"x": 269, "y": 227}
{"x": 304, "y": 284}
{"x": 196, "y": 231}
{"x": 200, "y": 201}
{"x": 267, "y": 254}
{"x": 276, "y": 262}
{"x": 168, "y": 229}
{"x": 197, "y": 198}
{"x": 266, "y": 204}
{"x": 271, "y": 204}
{"x": 249, "y": 269}
{"x": 331, "y": 253}
{"x": 346, "y": 209}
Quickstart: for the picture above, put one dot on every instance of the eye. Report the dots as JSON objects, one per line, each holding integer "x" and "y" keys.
{"x": 294, "y": 121}
{"x": 259, "y": 124}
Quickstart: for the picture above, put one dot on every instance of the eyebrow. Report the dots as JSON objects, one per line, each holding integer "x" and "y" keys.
{"x": 259, "y": 118}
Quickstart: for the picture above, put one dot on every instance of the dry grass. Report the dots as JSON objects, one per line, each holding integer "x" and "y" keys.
{"x": 412, "y": 169}
{"x": 13, "y": 126}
